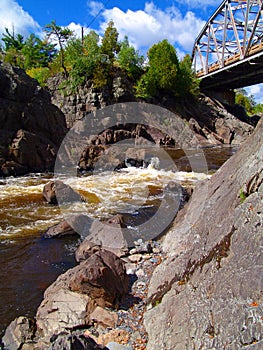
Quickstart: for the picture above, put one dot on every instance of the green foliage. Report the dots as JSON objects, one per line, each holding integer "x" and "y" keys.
{"x": 30, "y": 53}
{"x": 163, "y": 65}
{"x": 129, "y": 60}
{"x": 37, "y": 52}
{"x": 109, "y": 44}
{"x": 242, "y": 196}
{"x": 41, "y": 74}
{"x": 188, "y": 83}
{"x": 12, "y": 40}
{"x": 162, "y": 71}
{"x": 14, "y": 57}
{"x": 84, "y": 61}
{"x": 258, "y": 108}
{"x": 245, "y": 101}
{"x": 248, "y": 102}
{"x": 101, "y": 76}
{"x": 61, "y": 36}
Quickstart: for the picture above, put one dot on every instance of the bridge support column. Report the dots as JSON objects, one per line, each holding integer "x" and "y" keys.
{"x": 224, "y": 96}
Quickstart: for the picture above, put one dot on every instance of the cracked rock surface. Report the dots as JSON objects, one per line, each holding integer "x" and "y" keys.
{"x": 207, "y": 294}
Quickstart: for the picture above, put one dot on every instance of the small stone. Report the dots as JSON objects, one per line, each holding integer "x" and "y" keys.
{"x": 141, "y": 285}
{"x": 140, "y": 273}
{"x": 136, "y": 335}
{"x": 135, "y": 258}
{"x": 115, "y": 335}
{"x": 146, "y": 256}
{"x": 138, "y": 242}
{"x": 130, "y": 268}
{"x": 133, "y": 251}
{"x": 104, "y": 317}
{"x": 156, "y": 250}
{"x": 117, "y": 346}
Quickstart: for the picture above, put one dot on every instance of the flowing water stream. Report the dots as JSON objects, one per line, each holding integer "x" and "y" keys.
{"x": 29, "y": 263}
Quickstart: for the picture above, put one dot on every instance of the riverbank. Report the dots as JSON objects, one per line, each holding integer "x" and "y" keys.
{"x": 43, "y": 260}
{"x": 224, "y": 274}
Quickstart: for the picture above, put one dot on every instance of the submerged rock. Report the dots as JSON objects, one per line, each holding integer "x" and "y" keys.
{"x": 57, "y": 192}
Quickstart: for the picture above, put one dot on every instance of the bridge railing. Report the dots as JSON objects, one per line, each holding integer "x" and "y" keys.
{"x": 233, "y": 33}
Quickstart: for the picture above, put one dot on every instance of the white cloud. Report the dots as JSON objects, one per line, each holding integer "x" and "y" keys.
{"x": 144, "y": 28}
{"x": 76, "y": 28}
{"x": 13, "y": 17}
{"x": 256, "y": 91}
{"x": 95, "y": 7}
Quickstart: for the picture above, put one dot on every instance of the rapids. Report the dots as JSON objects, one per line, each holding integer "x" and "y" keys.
{"x": 29, "y": 263}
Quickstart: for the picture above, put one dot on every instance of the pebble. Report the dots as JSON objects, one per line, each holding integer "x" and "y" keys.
{"x": 135, "y": 258}
{"x": 140, "y": 273}
{"x": 117, "y": 346}
{"x": 130, "y": 268}
{"x": 131, "y": 312}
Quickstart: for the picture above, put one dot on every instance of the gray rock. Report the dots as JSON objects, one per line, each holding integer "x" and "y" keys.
{"x": 19, "y": 331}
{"x": 74, "y": 341}
{"x": 107, "y": 234}
{"x": 208, "y": 292}
{"x": 61, "y": 309}
{"x": 116, "y": 346}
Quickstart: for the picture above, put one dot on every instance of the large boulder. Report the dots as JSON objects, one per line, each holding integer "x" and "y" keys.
{"x": 103, "y": 277}
{"x": 31, "y": 126}
{"x": 107, "y": 234}
{"x": 79, "y": 296}
{"x": 19, "y": 332}
{"x": 208, "y": 292}
{"x": 57, "y": 191}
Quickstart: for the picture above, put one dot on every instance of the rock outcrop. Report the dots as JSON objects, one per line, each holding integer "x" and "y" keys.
{"x": 32, "y": 128}
{"x": 78, "y": 297}
{"x": 213, "y": 122}
{"x": 208, "y": 292}
{"x": 56, "y": 191}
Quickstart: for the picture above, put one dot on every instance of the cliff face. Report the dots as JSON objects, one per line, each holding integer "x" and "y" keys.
{"x": 208, "y": 118}
{"x": 33, "y": 122}
{"x": 208, "y": 292}
{"x": 31, "y": 127}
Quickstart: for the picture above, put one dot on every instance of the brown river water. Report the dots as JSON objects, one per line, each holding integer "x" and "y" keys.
{"x": 29, "y": 263}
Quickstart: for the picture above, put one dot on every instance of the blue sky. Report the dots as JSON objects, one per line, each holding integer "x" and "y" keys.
{"x": 144, "y": 22}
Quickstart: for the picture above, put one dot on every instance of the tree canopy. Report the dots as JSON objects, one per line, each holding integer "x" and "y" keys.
{"x": 98, "y": 59}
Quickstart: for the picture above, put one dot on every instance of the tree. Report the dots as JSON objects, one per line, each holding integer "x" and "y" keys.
{"x": 37, "y": 52}
{"x": 109, "y": 45}
{"x": 162, "y": 71}
{"x": 61, "y": 36}
{"x": 82, "y": 58}
{"x": 187, "y": 82}
{"x": 130, "y": 60}
{"x": 12, "y": 40}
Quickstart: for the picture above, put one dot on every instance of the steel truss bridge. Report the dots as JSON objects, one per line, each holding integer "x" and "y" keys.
{"x": 228, "y": 53}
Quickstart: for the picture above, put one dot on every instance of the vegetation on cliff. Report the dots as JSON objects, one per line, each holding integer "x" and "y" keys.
{"x": 96, "y": 59}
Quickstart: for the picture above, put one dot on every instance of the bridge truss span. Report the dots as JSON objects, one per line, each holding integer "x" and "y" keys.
{"x": 232, "y": 35}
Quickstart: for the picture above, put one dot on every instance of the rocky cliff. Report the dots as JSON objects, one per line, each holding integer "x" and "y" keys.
{"x": 31, "y": 127}
{"x": 212, "y": 122}
{"x": 32, "y": 120}
{"x": 207, "y": 294}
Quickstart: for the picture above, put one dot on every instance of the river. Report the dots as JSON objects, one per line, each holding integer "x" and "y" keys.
{"x": 29, "y": 263}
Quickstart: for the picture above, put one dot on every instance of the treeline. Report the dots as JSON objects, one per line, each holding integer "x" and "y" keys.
{"x": 97, "y": 59}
